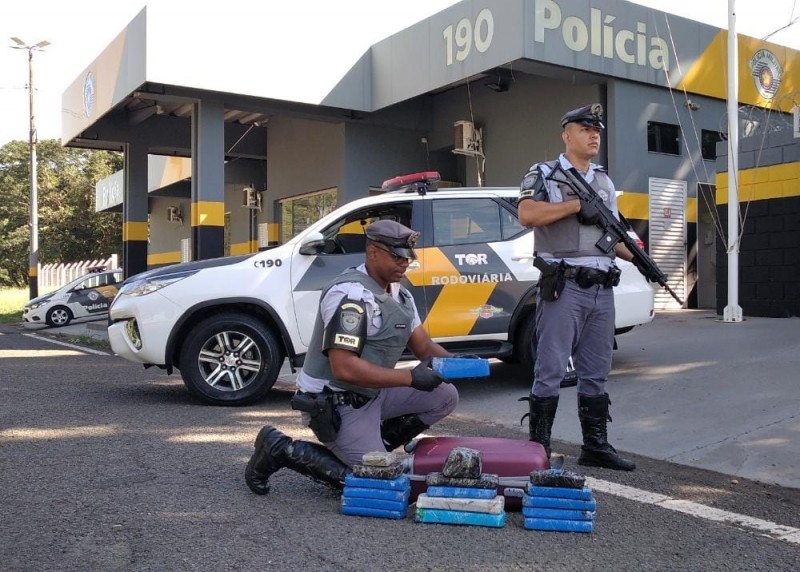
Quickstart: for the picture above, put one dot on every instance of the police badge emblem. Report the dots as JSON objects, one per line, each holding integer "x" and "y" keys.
{"x": 350, "y": 317}
{"x": 528, "y": 183}
{"x": 349, "y": 320}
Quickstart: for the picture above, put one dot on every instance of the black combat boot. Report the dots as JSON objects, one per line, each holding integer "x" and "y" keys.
{"x": 542, "y": 411}
{"x": 596, "y": 450}
{"x": 274, "y": 450}
{"x": 400, "y": 430}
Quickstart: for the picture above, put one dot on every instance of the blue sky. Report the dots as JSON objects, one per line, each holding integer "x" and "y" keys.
{"x": 80, "y": 29}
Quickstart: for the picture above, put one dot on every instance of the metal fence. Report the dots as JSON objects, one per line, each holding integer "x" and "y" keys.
{"x": 52, "y": 276}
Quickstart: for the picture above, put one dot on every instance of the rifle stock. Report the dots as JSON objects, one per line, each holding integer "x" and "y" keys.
{"x": 614, "y": 231}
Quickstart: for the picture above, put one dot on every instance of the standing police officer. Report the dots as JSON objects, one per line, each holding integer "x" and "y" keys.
{"x": 349, "y": 393}
{"x": 575, "y": 300}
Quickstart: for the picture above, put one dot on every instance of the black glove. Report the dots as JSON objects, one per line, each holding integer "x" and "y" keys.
{"x": 589, "y": 214}
{"x": 424, "y": 378}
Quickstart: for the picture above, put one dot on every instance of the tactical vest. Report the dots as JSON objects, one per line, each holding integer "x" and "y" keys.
{"x": 383, "y": 348}
{"x": 568, "y": 238}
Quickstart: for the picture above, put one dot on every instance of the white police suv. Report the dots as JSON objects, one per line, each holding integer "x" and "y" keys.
{"x": 229, "y": 323}
{"x": 87, "y": 296}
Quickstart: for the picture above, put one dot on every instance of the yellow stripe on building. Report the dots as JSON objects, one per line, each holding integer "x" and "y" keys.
{"x": 773, "y": 182}
{"x": 244, "y": 247}
{"x": 274, "y": 232}
{"x": 634, "y": 206}
{"x": 134, "y": 231}
{"x": 159, "y": 258}
{"x": 208, "y": 213}
{"x": 691, "y": 209}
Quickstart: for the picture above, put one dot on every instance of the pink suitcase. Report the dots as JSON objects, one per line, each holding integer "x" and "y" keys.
{"x": 511, "y": 459}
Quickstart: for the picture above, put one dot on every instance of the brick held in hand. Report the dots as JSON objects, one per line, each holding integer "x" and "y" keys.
{"x": 378, "y": 472}
{"x": 464, "y": 463}
{"x": 558, "y": 478}
{"x": 485, "y": 481}
{"x": 461, "y": 368}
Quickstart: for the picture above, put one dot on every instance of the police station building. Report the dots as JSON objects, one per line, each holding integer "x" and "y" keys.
{"x": 219, "y": 160}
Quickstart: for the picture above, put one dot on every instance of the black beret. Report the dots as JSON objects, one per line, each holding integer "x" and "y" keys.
{"x": 399, "y": 238}
{"x": 590, "y": 115}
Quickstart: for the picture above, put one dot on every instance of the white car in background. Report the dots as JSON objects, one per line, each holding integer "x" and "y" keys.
{"x": 87, "y": 296}
{"x": 229, "y": 323}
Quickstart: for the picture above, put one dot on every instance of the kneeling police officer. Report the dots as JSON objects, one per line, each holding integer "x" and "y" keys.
{"x": 349, "y": 393}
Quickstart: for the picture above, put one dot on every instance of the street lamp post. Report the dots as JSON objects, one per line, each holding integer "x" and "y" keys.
{"x": 33, "y": 258}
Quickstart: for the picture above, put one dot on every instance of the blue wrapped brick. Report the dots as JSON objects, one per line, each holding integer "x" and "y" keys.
{"x": 374, "y": 503}
{"x": 559, "y": 503}
{"x": 461, "y": 492}
{"x": 396, "y": 484}
{"x": 557, "y": 514}
{"x": 560, "y": 492}
{"x": 373, "y": 512}
{"x": 558, "y": 525}
{"x": 461, "y": 368}
{"x": 380, "y": 494}
{"x": 429, "y": 515}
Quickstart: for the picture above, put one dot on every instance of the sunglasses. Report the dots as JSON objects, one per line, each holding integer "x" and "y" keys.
{"x": 396, "y": 257}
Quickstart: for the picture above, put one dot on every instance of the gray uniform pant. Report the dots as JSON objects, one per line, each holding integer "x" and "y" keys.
{"x": 361, "y": 428}
{"x": 581, "y": 324}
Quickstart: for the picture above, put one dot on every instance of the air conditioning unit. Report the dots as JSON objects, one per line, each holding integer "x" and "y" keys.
{"x": 174, "y": 215}
{"x": 796, "y": 121}
{"x": 468, "y": 139}
{"x": 251, "y": 198}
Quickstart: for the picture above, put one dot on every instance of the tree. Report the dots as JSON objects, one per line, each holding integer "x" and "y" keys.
{"x": 69, "y": 228}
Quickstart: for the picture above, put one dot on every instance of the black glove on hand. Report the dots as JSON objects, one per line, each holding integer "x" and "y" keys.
{"x": 589, "y": 214}
{"x": 424, "y": 378}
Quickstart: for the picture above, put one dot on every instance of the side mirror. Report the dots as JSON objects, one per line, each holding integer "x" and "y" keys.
{"x": 312, "y": 244}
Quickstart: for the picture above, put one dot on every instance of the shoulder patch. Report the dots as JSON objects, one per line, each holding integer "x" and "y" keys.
{"x": 529, "y": 181}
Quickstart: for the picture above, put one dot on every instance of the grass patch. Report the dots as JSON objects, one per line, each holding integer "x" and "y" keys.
{"x": 11, "y": 302}
{"x": 87, "y": 341}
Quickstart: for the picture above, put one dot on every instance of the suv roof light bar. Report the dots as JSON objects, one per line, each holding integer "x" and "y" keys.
{"x": 415, "y": 183}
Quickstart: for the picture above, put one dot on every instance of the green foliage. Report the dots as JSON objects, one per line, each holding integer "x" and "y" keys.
{"x": 69, "y": 228}
{"x": 11, "y": 303}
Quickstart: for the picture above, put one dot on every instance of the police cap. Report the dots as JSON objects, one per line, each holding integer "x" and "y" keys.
{"x": 398, "y": 238}
{"x": 590, "y": 115}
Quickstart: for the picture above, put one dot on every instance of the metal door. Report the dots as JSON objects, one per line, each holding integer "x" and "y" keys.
{"x": 667, "y": 240}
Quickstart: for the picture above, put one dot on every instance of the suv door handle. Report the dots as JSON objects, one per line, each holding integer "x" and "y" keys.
{"x": 521, "y": 258}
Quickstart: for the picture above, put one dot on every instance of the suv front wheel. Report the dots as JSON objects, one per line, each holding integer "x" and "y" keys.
{"x": 230, "y": 359}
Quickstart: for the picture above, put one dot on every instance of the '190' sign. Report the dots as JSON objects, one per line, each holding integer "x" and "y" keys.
{"x": 459, "y": 40}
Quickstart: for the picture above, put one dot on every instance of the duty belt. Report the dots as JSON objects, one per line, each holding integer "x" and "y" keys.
{"x": 586, "y": 276}
{"x": 351, "y": 398}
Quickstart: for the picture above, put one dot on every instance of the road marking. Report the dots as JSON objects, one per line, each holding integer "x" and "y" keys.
{"x": 773, "y": 529}
{"x": 73, "y": 346}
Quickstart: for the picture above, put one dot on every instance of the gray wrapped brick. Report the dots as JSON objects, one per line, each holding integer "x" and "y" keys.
{"x": 377, "y": 472}
{"x": 485, "y": 481}
{"x": 463, "y": 463}
{"x": 379, "y": 459}
{"x": 558, "y": 478}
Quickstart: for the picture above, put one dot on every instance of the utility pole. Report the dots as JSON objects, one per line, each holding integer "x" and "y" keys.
{"x": 732, "y": 313}
{"x": 33, "y": 258}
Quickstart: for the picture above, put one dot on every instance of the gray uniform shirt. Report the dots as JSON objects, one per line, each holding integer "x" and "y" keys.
{"x": 602, "y": 262}
{"x": 328, "y": 305}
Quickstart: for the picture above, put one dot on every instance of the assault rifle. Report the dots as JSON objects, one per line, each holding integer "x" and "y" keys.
{"x": 614, "y": 231}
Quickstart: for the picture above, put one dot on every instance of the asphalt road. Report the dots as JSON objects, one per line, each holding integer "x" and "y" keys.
{"x": 107, "y": 466}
